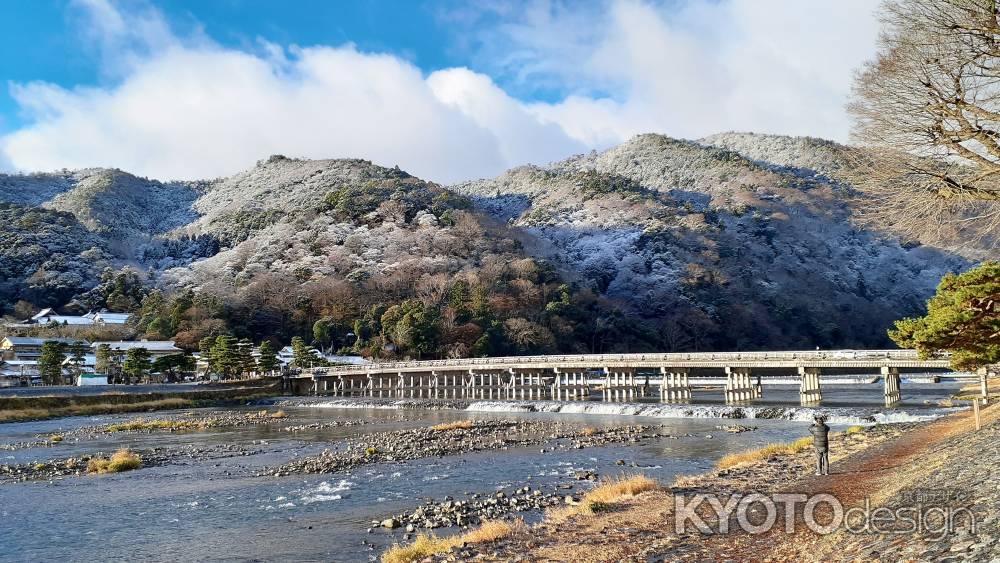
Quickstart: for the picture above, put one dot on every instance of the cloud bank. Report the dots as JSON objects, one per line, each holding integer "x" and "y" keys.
{"x": 186, "y": 107}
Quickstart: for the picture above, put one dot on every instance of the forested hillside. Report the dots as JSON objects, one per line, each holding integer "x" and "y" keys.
{"x": 738, "y": 241}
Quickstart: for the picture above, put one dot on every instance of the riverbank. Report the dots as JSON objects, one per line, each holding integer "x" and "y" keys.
{"x": 889, "y": 465}
{"x": 62, "y": 402}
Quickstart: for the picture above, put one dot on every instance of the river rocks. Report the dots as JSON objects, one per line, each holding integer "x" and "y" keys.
{"x": 486, "y": 435}
{"x": 151, "y": 457}
{"x": 180, "y": 422}
{"x": 735, "y": 428}
{"x": 330, "y": 424}
{"x": 447, "y": 512}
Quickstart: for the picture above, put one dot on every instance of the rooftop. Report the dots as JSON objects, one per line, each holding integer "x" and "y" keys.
{"x": 151, "y": 345}
{"x": 30, "y": 341}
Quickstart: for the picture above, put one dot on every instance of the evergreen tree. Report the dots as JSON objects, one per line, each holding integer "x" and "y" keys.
{"x": 302, "y": 356}
{"x": 50, "y": 362}
{"x": 226, "y": 357}
{"x": 102, "y": 359}
{"x": 963, "y": 318}
{"x": 244, "y": 356}
{"x": 268, "y": 360}
{"x": 325, "y": 332}
{"x": 78, "y": 355}
{"x": 136, "y": 365}
{"x": 173, "y": 365}
{"x": 205, "y": 346}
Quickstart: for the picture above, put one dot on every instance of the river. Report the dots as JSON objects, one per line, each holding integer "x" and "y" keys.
{"x": 220, "y": 510}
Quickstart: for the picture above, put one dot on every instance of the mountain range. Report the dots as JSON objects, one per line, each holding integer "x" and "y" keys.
{"x": 737, "y": 240}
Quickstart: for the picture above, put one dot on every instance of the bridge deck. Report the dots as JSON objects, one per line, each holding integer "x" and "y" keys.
{"x": 842, "y": 359}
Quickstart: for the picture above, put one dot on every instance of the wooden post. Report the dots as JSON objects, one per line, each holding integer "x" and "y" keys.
{"x": 975, "y": 412}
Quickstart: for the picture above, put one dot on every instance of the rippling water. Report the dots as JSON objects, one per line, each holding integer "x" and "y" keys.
{"x": 217, "y": 510}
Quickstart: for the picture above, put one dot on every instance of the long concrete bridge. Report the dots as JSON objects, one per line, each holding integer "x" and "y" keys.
{"x": 618, "y": 377}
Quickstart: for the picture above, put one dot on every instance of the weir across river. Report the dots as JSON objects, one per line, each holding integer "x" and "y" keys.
{"x": 618, "y": 377}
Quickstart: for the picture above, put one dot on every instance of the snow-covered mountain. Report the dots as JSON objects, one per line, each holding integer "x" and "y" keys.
{"x": 748, "y": 238}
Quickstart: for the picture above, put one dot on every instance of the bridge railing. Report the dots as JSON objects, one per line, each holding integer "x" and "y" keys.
{"x": 597, "y": 360}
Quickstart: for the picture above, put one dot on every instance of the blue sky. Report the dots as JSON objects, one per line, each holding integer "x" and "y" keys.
{"x": 449, "y": 90}
{"x": 47, "y": 43}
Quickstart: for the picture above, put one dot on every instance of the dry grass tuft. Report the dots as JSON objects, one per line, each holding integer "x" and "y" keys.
{"x": 122, "y": 460}
{"x": 854, "y": 430}
{"x": 427, "y": 545}
{"x": 604, "y": 497}
{"x": 767, "y": 452}
{"x": 618, "y": 488}
{"x": 457, "y": 425}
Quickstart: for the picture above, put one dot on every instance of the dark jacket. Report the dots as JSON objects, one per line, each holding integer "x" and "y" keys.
{"x": 821, "y": 435}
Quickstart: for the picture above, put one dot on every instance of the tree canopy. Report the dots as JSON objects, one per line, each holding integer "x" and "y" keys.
{"x": 50, "y": 362}
{"x": 928, "y": 109}
{"x": 963, "y": 318}
{"x": 136, "y": 365}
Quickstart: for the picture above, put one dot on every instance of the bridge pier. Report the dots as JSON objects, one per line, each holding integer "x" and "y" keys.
{"x": 530, "y": 383}
{"x": 674, "y": 386}
{"x": 739, "y": 387}
{"x": 491, "y": 384}
{"x": 381, "y": 385}
{"x": 570, "y": 384}
{"x": 891, "y": 378}
{"x": 809, "y": 389}
{"x": 447, "y": 384}
{"x": 416, "y": 385}
{"x": 619, "y": 384}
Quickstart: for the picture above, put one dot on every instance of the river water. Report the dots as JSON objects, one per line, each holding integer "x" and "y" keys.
{"x": 219, "y": 510}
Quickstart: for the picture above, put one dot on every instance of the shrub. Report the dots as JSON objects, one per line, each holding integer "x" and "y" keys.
{"x": 122, "y": 460}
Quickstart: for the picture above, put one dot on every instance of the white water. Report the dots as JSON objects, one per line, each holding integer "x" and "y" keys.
{"x": 801, "y": 414}
{"x": 325, "y": 492}
{"x": 859, "y": 415}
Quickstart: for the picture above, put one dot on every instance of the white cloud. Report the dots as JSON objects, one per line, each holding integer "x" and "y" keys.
{"x": 692, "y": 68}
{"x": 185, "y": 107}
{"x": 194, "y": 113}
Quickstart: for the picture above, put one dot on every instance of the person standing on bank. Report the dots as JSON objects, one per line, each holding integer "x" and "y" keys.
{"x": 821, "y": 441}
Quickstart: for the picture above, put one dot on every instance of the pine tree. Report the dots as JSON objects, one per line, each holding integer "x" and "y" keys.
{"x": 268, "y": 360}
{"x": 50, "y": 362}
{"x": 136, "y": 365}
{"x": 244, "y": 356}
{"x": 302, "y": 356}
{"x": 205, "y": 352}
{"x": 78, "y": 356}
{"x": 225, "y": 356}
{"x": 102, "y": 359}
{"x": 963, "y": 318}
